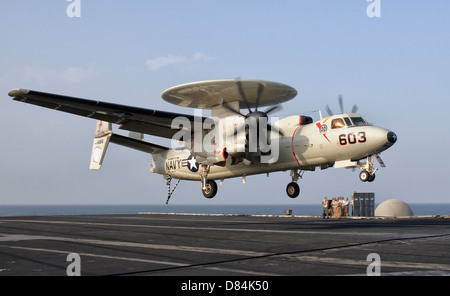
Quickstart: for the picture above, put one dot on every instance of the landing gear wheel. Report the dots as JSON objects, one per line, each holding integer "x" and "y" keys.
{"x": 364, "y": 176}
{"x": 371, "y": 178}
{"x": 293, "y": 190}
{"x": 210, "y": 189}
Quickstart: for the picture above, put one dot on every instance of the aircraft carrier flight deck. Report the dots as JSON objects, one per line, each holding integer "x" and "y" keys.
{"x": 198, "y": 245}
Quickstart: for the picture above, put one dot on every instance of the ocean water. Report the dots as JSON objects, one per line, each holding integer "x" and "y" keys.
{"x": 298, "y": 210}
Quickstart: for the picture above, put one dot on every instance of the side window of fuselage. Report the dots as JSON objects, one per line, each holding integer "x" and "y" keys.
{"x": 337, "y": 123}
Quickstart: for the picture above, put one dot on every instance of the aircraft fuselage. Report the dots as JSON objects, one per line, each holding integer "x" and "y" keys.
{"x": 303, "y": 147}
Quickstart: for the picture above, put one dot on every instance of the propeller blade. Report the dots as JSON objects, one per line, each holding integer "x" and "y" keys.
{"x": 226, "y": 106}
{"x": 274, "y": 108}
{"x": 327, "y": 108}
{"x": 271, "y": 128}
{"x": 240, "y": 129}
{"x": 243, "y": 96}
{"x": 248, "y": 158}
{"x": 341, "y": 103}
{"x": 354, "y": 109}
{"x": 260, "y": 91}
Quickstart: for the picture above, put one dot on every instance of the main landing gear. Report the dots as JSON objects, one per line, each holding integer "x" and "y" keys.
{"x": 292, "y": 189}
{"x": 209, "y": 187}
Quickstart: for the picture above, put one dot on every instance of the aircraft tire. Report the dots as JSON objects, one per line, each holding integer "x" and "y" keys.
{"x": 371, "y": 178}
{"x": 292, "y": 190}
{"x": 364, "y": 176}
{"x": 211, "y": 189}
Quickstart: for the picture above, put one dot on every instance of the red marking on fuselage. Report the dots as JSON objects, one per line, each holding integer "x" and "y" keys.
{"x": 323, "y": 134}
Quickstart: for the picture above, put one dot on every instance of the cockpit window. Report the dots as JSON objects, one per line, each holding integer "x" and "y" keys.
{"x": 337, "y": 123}
{"x": 358, "y": 121}
{"x": 348, "y": 121}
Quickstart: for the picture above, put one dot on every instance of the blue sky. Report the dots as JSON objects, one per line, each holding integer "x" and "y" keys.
{"x": 396, "y": 68}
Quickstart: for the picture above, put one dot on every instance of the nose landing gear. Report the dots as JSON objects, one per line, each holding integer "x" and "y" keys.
{"x": 365, "y": 176}
{"x": 368, "y": 172}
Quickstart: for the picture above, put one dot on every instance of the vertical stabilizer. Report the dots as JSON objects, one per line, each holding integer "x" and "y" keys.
{"x": 103, "y": 132}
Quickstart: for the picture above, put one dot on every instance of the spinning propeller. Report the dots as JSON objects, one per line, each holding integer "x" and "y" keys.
{"x": 341, "y": 105}
{"x": 256, "y": 115}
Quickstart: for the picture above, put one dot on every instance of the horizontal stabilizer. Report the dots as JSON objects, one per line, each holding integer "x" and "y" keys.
{"x": 137, "y": 144}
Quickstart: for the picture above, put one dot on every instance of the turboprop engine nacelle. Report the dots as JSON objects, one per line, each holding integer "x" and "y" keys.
{"x": 211, "y": 157}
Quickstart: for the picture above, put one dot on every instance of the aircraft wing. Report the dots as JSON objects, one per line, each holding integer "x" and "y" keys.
{"x": 141, "y": 120}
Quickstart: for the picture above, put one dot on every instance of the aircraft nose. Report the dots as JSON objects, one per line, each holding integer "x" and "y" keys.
{"x": 391, "y": 137}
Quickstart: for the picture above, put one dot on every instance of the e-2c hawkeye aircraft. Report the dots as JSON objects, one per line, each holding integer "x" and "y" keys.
{"x": 229, "y": 143}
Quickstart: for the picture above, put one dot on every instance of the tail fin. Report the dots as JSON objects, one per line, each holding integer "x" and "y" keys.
{"x": 103, "y": 132}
